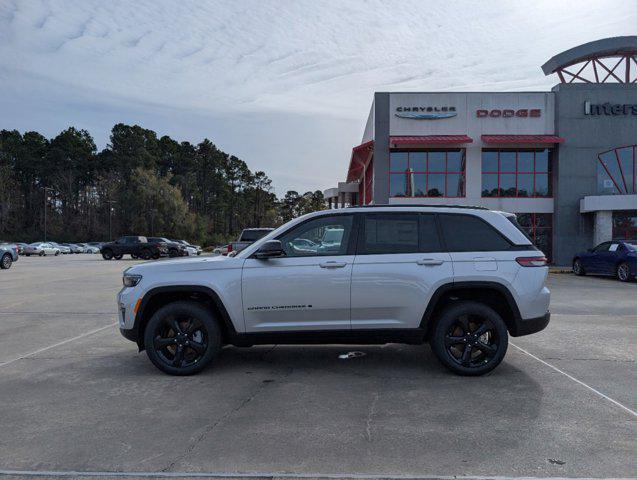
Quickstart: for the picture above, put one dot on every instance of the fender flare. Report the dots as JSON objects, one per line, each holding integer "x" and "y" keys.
{"x": 452, "y": 286}
{"x": 207, "y": 291}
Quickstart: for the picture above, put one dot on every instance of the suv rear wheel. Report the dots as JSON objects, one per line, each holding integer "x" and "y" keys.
{"x": 470, "y": 338}
{"x": 182, "y": 338}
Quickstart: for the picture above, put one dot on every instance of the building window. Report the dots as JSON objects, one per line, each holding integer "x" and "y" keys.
{"x": 516, "y": 173}
{"x": 616, "y": 171}
{"x": 427, "y": 173}
{"x": 539, "y": 228}
{"x": 625, "y": 225}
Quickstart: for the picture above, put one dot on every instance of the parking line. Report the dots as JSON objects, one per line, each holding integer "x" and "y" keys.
{"x": 272, "y": 476}
{"x": 623, "y": 407}
{"x": 44, "y": 349}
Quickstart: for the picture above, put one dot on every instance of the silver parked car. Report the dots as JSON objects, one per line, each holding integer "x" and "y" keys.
{"x": 8, "y": 255}
{"x": 88, "y": 248}
{"x": 62, "y": 248}
{"x": 41, "y": 249}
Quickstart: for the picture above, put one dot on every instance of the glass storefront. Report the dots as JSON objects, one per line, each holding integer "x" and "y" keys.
{"x": 616, "y": 171}
{"x": 427, "y": 173}
{"x": 625, "y": 225}
{"x": 516, "y": 173}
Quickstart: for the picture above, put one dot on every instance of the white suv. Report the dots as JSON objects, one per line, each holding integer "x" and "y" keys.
{"x": 460, "y": 278}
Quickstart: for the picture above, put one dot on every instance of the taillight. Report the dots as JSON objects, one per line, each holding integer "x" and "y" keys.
{"x": 532, "y": 261}
{"x": 229, "y": 248}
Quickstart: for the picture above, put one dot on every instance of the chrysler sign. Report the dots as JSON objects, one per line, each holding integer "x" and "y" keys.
{"x": 426, "y": 113}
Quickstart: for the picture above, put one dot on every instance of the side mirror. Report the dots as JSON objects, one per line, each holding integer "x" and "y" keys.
{"x": 270, "y": 249}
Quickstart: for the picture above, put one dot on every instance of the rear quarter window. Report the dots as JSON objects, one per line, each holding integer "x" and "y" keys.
{"x": 468, "y": 233}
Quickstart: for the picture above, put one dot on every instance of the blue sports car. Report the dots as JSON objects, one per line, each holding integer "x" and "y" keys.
{"x": 618, "y": 258}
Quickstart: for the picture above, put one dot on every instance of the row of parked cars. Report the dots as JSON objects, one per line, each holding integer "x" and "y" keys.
{"x": 138, "y": 246}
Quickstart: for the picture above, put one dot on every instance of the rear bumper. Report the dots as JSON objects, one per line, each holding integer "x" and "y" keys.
{"x": 530, "y": 325}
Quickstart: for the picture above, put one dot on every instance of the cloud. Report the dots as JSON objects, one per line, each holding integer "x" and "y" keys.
{"x": 317, "y": 62}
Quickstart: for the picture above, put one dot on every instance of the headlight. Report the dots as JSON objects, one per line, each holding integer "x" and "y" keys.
{"x": 131, "y": 280}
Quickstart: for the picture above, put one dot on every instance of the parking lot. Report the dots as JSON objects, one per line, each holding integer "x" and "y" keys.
{"x": 76, "y": 396}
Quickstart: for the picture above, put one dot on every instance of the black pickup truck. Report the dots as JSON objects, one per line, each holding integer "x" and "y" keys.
{"x": 135, "y": 246}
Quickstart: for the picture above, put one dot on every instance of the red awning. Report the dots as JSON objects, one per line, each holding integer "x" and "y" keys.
{"x": 430, "y": 140}
{"x": 521, "y": 139}
{"x": 358, "y": 159}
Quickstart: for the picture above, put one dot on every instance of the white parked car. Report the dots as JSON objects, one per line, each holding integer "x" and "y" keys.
{"x": 41, "y": 249}
{"x": 62, "y": 248}
{"x": 460, "y": 279}
{"x": 89, "y": 248}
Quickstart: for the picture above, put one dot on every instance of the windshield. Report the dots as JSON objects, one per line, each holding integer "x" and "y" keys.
{"x": 632, "y": 246}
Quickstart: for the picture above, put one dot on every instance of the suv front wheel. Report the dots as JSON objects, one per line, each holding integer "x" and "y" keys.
{"x": 182, "y": 338}
{"x": 470, "y": 338}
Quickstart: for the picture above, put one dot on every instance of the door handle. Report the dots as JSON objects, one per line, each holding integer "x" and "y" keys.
{"x": 430, "y": 262}
{"x": 332, "y": 264}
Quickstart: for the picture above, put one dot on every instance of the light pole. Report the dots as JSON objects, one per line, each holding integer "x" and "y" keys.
{"x": 110, "y": 211}
{"x": 45, "y": 204}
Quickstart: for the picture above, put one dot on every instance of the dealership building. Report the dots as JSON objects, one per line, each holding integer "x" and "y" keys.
{"x": 565, "y": 161}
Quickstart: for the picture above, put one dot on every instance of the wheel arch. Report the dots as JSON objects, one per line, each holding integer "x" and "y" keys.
{"x": 158, "y": 297}
{"x": 494, "y": 294}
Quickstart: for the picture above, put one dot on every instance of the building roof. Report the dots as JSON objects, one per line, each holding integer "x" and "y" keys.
{"x": 606, "y": 47}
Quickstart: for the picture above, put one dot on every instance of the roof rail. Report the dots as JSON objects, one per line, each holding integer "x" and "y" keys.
{"x": 412, "y": 205}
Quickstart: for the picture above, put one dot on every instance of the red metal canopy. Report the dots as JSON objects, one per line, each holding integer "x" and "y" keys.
{"x": 497, "y": 139}
{"x": 430, "y": 140}
{"x": 358, "y": 159}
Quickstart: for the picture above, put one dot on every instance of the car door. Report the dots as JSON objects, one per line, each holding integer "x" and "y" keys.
{"x": 593, "y": 262}
{"x": 308, "y": 288}
{"x": 398, "y": 266}
{"x": 608, "y": 259}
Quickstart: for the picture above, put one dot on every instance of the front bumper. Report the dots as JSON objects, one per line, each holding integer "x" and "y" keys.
{"x": 530, "y": 325}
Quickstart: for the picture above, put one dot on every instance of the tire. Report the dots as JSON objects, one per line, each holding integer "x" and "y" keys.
{"x": 133, "y": 256}
{"x": 146, "y": 254}
{"x": 173, "y": 252}
{"x": 27, "y": 254}
{"x": 42, "y": 254}
{"x": 156, "y": 255}
{"x": 197, "y": 326}
{"x": 455, "y": 332}
{"x": 6, "y": 261}
{"x": 119, "y": 256}
{"x": 623, "y": 272}
{"x": 56, "y": 253}
{"x": 107, "y": 254}
{"x": 578, "y": 268}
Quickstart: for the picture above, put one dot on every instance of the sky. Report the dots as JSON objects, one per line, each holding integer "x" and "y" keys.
{"x": 284, "y": 85}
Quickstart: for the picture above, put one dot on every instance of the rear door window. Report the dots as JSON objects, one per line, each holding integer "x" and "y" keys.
{"x": 468, "y": 233}
{"x": 390, "y": 233}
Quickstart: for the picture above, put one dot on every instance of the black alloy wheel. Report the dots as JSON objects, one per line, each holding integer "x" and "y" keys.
{"x": 470, "y": 338}
{"x": 623, "y": 272}
{"x": 6, "y": 261}
{"x": 182, "y": 338}
{"x": 578, "y": 269}
{"x": 107, "y": 254}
